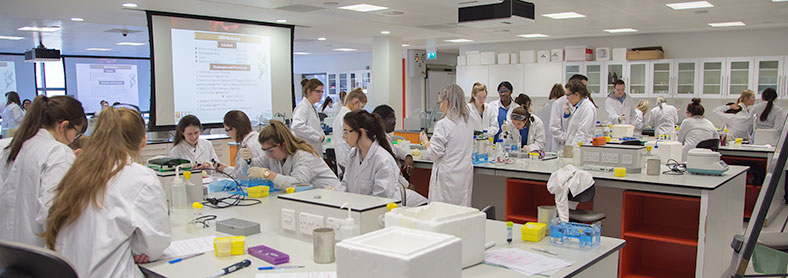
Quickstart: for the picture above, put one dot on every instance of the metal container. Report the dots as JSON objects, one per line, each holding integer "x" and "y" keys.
{"x": 323, "y": 245}
{"x": 652, "y": 166}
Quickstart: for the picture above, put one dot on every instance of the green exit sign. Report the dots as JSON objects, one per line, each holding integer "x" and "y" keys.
{"x": 432, "y": 55}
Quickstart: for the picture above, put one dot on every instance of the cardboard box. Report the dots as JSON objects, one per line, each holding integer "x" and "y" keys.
{"x": 578, "y": 53}
{"x": 646, "y": 53}
{"x": 528, "y": 56}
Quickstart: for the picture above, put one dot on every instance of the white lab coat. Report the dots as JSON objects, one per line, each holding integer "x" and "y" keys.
{"x": 131, "y": 220}
{"x": 485, "y": 120}
{"x": 202, "y": 152}
{"x": 399, "y": 150}
{"x": 663, "y": 119}
{"x": 775, "y": 119}
{"x": 341, "y": 148}
{"x": 615, "y": 108}
{"x": 496, "y": 106}
{"x": 580, "y": 127}
{"x": 241, "y": 167}
{"x": 694, "y": 130}
{"x": 565, "y": 180}
{"x": 536, "y": 137}
{"x": 544, "y": 115}
{"x": 301, "y": 167}
{"x": 376, "y": 174}
{"x": 558, "y": 123}
{"x": 12, "y": 116}
{"x": 306, "y": 125}
{"x": 28, "y": 186}
{"x": 739, "y": 125}
{"x": 452, "y": 171}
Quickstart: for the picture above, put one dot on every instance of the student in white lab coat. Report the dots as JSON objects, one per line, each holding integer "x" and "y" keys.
{"x": 737, "y": 117}
{"x": 619, "y": 105}
{"x": 484, "y": 115}
{"x": 640, "y": 116}
{"x": 306, "y": 123}
{"x": 109, "y": 212}
{"x": 402, "y": 155}
{"x": 559, "y": 115}
{"x": 188, "y": 145}
{"x": 34, "y": 163}
{"x": 695, "y": 128}
{"x": 526, "y": 129}
{"x": 357, "y": 99}
{"x": 239, "y": 128}
{"x": 504, "y": 104}
{"x": 337, "y": 105}
{"x": 580, "y": 127}
{"x": 663, "y": 117}
{"x": 544, "y": 114}
{"x": 289, "y": 161}
{"x": 522, "y": 100}
{"x": 12, "y": 114}
{"x": 371, "y": 168}
{"x": 767, "y": 114}
{"x": 450, "y": 149}
{"x": 327, "y": 106}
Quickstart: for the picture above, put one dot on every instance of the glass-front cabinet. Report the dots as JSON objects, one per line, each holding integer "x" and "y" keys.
{"x": 593, "y": 70}
{"x": 615, "y": 71}
{"x": 343, "y": 82}
{"x": 332, "y": 84}
{"x": 712, "y": 73}
{"x": 661, "y": 77}
{"x": 686, "y": 77}
{"x": 638, "y": 79}
{"x": 738, "y": 76}
{"x": 768, "y": 72}
{"x": 572, "y": 68}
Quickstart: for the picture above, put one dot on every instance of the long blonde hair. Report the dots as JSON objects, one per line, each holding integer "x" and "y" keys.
{"x": 477, "y": 87}
{"x": 277, "y": 133}
{"x": 117, "y": 139}
{"x": 745, "y": 95}
{"x": 642, "y": 106}
{"x": 454, "y": 97}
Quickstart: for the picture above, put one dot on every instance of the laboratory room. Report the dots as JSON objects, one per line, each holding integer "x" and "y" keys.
{"x": 380, "y": 138}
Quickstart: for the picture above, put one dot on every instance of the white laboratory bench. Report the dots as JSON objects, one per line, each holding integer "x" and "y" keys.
{"x": 748, "y": 151}
{"x": 720, "y": 198}
{"x": 601, "y": 261}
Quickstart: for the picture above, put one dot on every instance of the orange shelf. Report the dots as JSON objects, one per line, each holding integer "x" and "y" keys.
{"x": 524, "y": 196}
{"x": 521, "y": 219}
{"x": 669, "y": 234}
{"x": 656, "y": 259}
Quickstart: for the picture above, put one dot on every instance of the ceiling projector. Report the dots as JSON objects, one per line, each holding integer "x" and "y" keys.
{"x": 42, "y": 54}
{"x": 505, "y": 13}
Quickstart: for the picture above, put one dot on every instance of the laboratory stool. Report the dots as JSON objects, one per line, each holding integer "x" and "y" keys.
{"x": 584, "y": 215}
{"x": 22, "y": 260}
{"x": 331, "y": 160}
{"x": 711, "y": 144}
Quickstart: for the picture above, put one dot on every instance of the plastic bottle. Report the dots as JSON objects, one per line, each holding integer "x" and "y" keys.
{"x": 576, "y": 154}
{"x": 499, "y": 152}
{"x": 598, "y": 130}
{"x": 475, "y": 154}
{"x": 509, "y": 225}
{"x": 178, "y": 191}
{"x": 724, "y": 137}
{"x": 606, "y": 130}
{"x": 488, "y": 149}
{"x": 348, "y": 228}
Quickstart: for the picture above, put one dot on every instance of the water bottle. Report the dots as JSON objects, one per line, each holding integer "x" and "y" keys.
{"x": 598, "y": 130}
{"x": 475, "y": 153}
{"x": 606, "y": 130}
{"x": 499, "y": 152}
{"x": 178, "y": 193}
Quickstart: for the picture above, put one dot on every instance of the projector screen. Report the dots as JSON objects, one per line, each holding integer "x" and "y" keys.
{"x": 93, "y": 79}
{"x": 17, "y": 75}
{"x": 206, "y": 66}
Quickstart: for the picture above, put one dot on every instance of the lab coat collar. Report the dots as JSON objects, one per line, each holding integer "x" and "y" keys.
{"x": 500, "y": 104}
{"x": 306, "y": 102}
{"x": 248, "y": 137}
{"x": 613, "y": 96}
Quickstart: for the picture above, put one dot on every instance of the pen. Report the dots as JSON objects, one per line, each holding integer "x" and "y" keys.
{"x": 544, "y": 251}
{"x": 231, "y": 268}
{"x": 184, "y": 258}
{"x": 280, "y": 267}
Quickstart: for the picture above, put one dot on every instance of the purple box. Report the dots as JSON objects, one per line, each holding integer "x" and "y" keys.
{"x": 268, "y": 254}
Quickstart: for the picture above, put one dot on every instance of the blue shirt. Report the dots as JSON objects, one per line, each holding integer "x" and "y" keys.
{"x": 502, "y": 111}
{"x": 524, "y": 136}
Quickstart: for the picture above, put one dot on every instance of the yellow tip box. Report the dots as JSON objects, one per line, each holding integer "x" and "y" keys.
{"x": 237, "y": 244}
{"x": 533, "y": 231}
{"x": 258, "y": 191}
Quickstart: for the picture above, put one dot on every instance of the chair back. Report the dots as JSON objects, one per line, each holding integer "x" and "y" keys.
{"x": 22, "y": 260}
{"x": 711, "y": 144}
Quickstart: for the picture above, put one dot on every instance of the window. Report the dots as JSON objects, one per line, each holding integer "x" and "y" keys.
{"x": 50, "y": 79}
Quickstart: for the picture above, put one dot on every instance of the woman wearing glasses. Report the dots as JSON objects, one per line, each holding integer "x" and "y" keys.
{"x": 450, "y": 148}
{"x": 289, "y": 161}
{"x": 306, "y": 123}
{"x": 580, "y": 127}
{"x": 188, "y": 145}
{"x": 484, "y": 115}
{"x": 371, "y": 168}
{"x": 34, "y": 163}
{"x": 239, "y": 128}
{"x": 504, "y": 104}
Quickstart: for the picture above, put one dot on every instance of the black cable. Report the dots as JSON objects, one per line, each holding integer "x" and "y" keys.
{"x": 236, "y": 199}
{"x": 675, "y": 168}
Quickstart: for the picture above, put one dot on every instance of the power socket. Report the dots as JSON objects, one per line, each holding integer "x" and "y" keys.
{"x": 308, "y": 222}
{"x": 288, "y": 220}
{"x": 334, "y": 223}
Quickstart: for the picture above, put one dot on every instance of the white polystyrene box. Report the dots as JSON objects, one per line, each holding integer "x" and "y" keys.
{"x": 397, "y": 252}
{"x": 488, "y": 58}
{"x": 543, "y": 56}
{"x": 515, "y": 58}
{"x": 557, "y": 55}
{"x": 528, "y": 56}
{"x": 473, "y": 59}
{"x": 465, "y": 223}
{"x": 461, "y": 60}
{"x": 503, "y": 58}
{"x": 619, "y": 54}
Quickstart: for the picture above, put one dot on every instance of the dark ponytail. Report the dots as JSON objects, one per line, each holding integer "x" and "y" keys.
{"x": 46, "y": 112}
{"x": 186, "y": 121}
{"x": 694, "y": 108}
{"x": 372, "y": 123}
{"x": 768, "y": 95}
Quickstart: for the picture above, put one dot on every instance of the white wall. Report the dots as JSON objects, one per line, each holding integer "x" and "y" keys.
{"x": 332, "y": 63}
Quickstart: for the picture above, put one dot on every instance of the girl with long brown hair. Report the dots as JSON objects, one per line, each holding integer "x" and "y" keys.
{"x": 371, "y": 168}
{"x": 290, "y": 161}
{"x": 188, "y": 145}
{"x": 34, "y": 163}
{"x": 109, "y": 212}
{"x": 239, "y": 128}
{"x": 12, "y": 114}
{"x": 306, "y": 123}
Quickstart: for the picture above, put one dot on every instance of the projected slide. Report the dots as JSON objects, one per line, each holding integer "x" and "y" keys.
{"x": 218, "y": 72}
{"x": 114, "y": 83}
{"x": 7, "y": 76}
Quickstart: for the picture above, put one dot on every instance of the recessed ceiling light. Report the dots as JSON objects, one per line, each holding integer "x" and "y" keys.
{"x": 301, "y": 53}
{"x": 459, "y": 40}
{"x": 779, "y": 0}
{"x": 98, "y": 49}
{"x": 77, "y": 19}
{"x": 385, "y": 32}
{"x": 620, "y": 30}
{"x": 564, "y": 15}
{"x": 129, "y": 5}
{"x": 363, "y": 8}
{"x": 690, "y": 5}
{"x": 281, "y": 21}
{"x": 131, "y": 43}
{"x": 40, "y": 29}
{"x": 344, "y": 49}
{"x": 405, "y": 45}
{"x": 321, "y": 39}
{"x": 11, "y": 38}
{"x": 532, "y": 36}
{"x": 727, "y": 24}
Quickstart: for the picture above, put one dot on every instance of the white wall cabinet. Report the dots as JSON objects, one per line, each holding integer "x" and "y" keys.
{"x": 712, "y": 77}
{"x": 769, "y": 73}
{"x": 593, "y": 70}
{"x": 540, "y": 78}
{"x": 738, "y": 75}
{"x": 662, "y": 73}
{"x": 500, "y": 73}
{"x": 638, "y": 78}
{"x": 615, "y": 70}
{"x": 686, "y": 78}
{"x": 467, "y": 75}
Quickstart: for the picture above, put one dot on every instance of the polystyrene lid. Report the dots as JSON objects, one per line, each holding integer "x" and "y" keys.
{"x": 399, "y": 241}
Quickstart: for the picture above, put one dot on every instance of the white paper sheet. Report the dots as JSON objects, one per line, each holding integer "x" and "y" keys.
{"x": 186, "y": 247}
{"x": 297, "y": 275}
{"x": 524, "y": 262}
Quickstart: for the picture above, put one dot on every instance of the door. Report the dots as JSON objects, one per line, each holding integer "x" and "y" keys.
{"x": 662, "y": 75}
{"x": 738, "y": 76}
{"x": 768, "y": 72}
{"x": 614, "y": 71}
{"x": 712, "y": 76}
{"x": 686, "y": 76}
{"x": 436, "y": 80}
{"x": 593, "y": 70}
{"x": 638, "y": 78}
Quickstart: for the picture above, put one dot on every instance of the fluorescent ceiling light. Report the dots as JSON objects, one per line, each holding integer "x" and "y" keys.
{"x": 690, "y": 5}
{"x": 385, "y": 32}
{"x": 344, "y": 49}
{"x": 98, "y": 49}
{"x": 129, "y": 5}
{"x": 301, "y": 53}
{"x": 459, "y": 40}
{"x": 40, "y": 29}
{"x": 564, "y": 15}
{"x": 11, "y": 38}
{"x": 77, "y": 19}
{"x": 131, "y": 43}
{"x": 281, "y": 21}
{"x": 405, "y": 45}
{"x": 620, "y": 30}
{"x": 727, "y": 24}
{"x": 532, "y": 36}
{"x": 779, "y": 0}
{"x": 321, "y": 39}
{"x": 363, "y": 8}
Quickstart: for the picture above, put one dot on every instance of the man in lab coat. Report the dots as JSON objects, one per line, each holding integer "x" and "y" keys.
{"x": 619, "y": 105}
